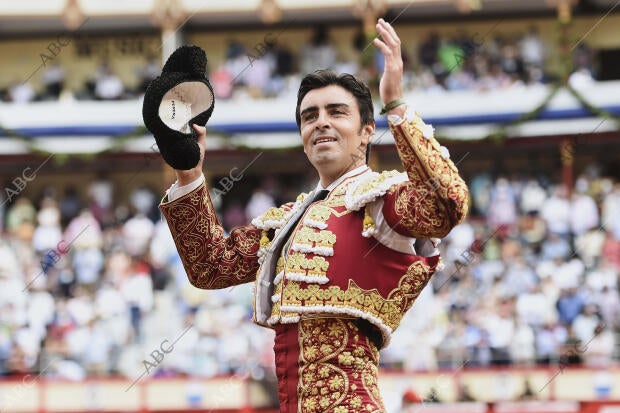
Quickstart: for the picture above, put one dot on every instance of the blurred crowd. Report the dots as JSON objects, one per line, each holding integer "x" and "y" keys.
{"x": 89, "y": 286}
{"x": 530, "y": 278}
{"x": 271, "y": 68}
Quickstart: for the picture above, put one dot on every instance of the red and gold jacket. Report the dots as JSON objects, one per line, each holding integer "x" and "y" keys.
{"x": 367, "y": 250}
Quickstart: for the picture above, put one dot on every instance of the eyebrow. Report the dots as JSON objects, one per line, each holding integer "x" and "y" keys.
{"x": 328, "y": 106}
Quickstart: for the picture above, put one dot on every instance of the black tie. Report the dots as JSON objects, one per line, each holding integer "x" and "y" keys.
{"x": 320, "y": 195}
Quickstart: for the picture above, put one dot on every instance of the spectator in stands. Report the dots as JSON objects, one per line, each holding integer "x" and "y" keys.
{"x": 503, "y": 206}
{"x": 21, "y": 213}
{"x": 572, "y": 351}
{"x": 519, "y": 277}
{"x": 284, "y": 60}
{"x": 532, "y": 307}
{"x": 532, "y": 49}
{"x": 583, "y": 210}
{"x": 70, "y": 205}
{"x": 283, "y": 69}
{"x": 261, "y": 199}
{"x": 522, "y": 346}
{"x": 533, "y": 230}
{"x": 137, "y": 234}
{"x": 222, "y": 82}
{"x": 146, "y": 73}
{"x": 459, "y": 242}
{"x": 585, "y": 324}
{"x": 501, "y": 329}
{"x": 237, "y": 61}
{"x": 549, "y": 341}
{"x": 108, "y": 86}
{"x": 583, "y": 59}
{"x": 611, "y": 211}
{"x": 598, "y": 351}
{"x": 48, "y": 233}
{"x": 318, "y": 53}
{"x": 556, "y": 212}
{"x": 569, "y": 305}
{"x": 257, "y": 76}
{"x": 53, "y": 80}
{"x": 451, "y": 351}
{"x": 100, "y": 196}
{"x": 137, "y": 290}
{"x": 511, "y": 61}
{"x": 428, "y": 53}
{"x": 609, "y": 302}
{"x": 532, "y": 197}
{"x": 555, "y": 248}
{"x": 21, "y": 92}
{"x": 112, "y": 310}
{"x": 480, "y": 188}
{"x": 589, "y": 246}
{"x": 450, "y": 56}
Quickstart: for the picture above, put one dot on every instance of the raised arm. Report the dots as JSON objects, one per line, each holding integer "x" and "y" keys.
{"x": 435, "y": 198}
{"x": 211, "y": 259}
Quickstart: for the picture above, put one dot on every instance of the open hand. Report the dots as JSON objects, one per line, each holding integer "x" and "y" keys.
{"x": 391, "y": 85}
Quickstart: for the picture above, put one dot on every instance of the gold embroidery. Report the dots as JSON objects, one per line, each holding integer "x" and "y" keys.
{"x": 372, "y": 184}
{"x": 298, "y": 266}
{"x": 436, "y": 198}
{"x": 385, "y": 312}
{"x": 304, "y": 237}
{"x": 325, "y": 239}
{"x": 411, "y": 285}
{"x": 273, "y": 218}
{"x": 319, "y": 213}
{"x": 211, "y": 260}
{"x": 333, "y": 361}
{"x": 279, "y": 265}
{"x": 309, "y": 240}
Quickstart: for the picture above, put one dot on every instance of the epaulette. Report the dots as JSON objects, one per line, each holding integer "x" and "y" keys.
{"x": 276, "y": 217}
{"x": 370, "y": 187}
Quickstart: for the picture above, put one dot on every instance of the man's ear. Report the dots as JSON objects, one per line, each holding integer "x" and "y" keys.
{"x": 368, "y": 131}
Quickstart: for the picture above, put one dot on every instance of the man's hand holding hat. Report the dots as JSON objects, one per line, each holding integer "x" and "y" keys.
{"x": 175, "y": 101}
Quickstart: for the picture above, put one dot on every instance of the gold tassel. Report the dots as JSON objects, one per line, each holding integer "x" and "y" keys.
{"x": 264, "y": 240}
{"x": 369, "y": 223}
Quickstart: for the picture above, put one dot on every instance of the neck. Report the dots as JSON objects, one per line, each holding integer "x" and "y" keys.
{"x": 329, "y": 177}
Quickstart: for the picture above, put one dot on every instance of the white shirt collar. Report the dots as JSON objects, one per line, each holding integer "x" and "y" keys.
{"x": 352, "y": 172}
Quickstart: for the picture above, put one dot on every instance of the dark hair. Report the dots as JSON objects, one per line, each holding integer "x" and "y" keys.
{"x": 324, "y": 78}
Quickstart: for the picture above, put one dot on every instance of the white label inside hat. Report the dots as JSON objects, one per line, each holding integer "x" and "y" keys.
{"x": 175, "y": 113}
{"x": 184, "y": 102}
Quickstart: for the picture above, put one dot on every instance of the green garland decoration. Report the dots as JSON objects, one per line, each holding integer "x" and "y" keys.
{"x": 596, "y": 111}
{"x": 502, "y": 131}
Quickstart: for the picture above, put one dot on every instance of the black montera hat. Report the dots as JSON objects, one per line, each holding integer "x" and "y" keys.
{"x": 179, "y": 97}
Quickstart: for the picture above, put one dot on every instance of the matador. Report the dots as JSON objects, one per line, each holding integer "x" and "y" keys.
{"x": 334, "y": 271}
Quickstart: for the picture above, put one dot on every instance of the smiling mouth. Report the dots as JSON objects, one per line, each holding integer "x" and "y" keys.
{"x": 324, "y": 140}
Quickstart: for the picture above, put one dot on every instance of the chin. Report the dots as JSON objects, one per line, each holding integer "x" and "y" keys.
{"x": 323, "y": 159}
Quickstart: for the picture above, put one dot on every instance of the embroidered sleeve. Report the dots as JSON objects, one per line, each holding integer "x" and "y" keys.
{"x": 435, "y": 197}
{"x": 211, "y": 259}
